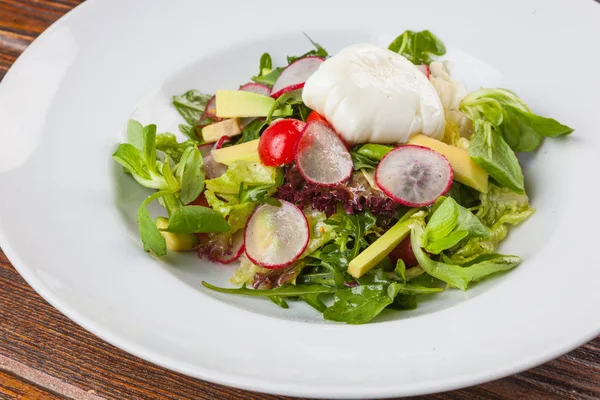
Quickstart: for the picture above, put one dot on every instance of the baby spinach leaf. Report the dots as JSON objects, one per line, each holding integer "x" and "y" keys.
{"x": 197, "y": 219}
{"x": 361, "y": 304}
{"x": 191, "y": 105}
{"x": 443, "y": 221}
{"x": 283, "y": 291}
{"x": 491, "y": 153}
{"x": 190, "y": 175}
{"x": 404, "y": 302}
{"x": 418, "y": 47}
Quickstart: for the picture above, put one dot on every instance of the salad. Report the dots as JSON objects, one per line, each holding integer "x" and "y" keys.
{"x": 356, "y": 182}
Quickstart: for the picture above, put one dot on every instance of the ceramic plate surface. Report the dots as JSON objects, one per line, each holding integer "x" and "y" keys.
{"x": 67, "y": 211}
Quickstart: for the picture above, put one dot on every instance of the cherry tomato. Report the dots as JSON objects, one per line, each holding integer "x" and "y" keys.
{"x": 277, "y": 145}
{"x": 404, "y": 251}
{"x": 315, "y": 116}
{"x": 200, "y": 201}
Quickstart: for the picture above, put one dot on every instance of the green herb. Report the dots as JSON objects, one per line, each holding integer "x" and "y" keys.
{"x": 191, "y": 105}
{"x": 352, "y": 228}
{"x": 456, "y": 275}
{"x": 190, "y": 175}
{"x": 152, "y": 240}
{"x": 314, "y": 300}
{"x": 318, "y": 52}
{"x": 520, "y": 128}
{"x": 265, "y": 63}
{"x": 283, "y": 291}
{"x": 495, "y": 156}
{"x": 279, "y": 301}
{"x": 284, "y": 104}
{"x": 197, "y": 219}
{"x": 361, "y": 304}
{"x": 418, "y": 47}
{"x": 270, "y": 78}
{"x": 404, "y": 302}
{"x": 368, "y": 155}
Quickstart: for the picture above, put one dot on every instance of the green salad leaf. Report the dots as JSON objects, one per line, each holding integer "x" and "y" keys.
{"x": 266, "y": 63}
{"x": 270, "y": 78}
{"x": 520, "y": 128}
{"x": 135, "y": 134}
{"x": 197, "y": 219}
{"x": 418, "y": 47}
{"x": 319, "y": 51}
{"x": 167, "y": 143}
{"x": 361, "y": 304}
{"x": 489, "y": 150}
{"x": 190, "y": 175}
{"x": 367, "y": 156}
{"x": 456, "y": 275}
{"x": 283, "y": 291}
{"x": 252, "y": 131}
{"x": 239, "y": 172}
{"x": 151, "y": 238}
{"x": 191, "y": 105}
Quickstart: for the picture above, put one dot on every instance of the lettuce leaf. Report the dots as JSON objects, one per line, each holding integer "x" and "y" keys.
{"x": 418, "y": 47}
{"x": 239, "y": 172}
{"x": 499, "y": 207}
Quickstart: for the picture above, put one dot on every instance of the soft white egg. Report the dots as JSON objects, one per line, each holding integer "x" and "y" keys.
{"x": 373, "y": 95}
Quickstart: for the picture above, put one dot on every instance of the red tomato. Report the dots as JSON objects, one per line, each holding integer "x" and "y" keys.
{"x": 278, "y": 142}
{"x": 404, "y": 251}
{"x": 315, "y": 116}
{"x": 200, "y": 201}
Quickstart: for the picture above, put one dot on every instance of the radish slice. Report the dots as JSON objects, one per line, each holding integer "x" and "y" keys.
{"x": 221, "y": 142}
{"x": 210, "y": 111}
{"x": 321, "y": 156}
{"x": 276, "y": 236}
{"x": 256, "y": 88}
{"x": 213, "y": 169}
{"x": 236, "y": 250}
{"x": 414, "y": 175}
{"x": 295, "y": 75}
{"x": 205, "y": 149}
{"x": 424, "y": 69}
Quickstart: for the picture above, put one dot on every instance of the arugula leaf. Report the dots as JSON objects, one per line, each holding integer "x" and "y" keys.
{"x": 190, "y": 175}
{"x": 197, "y": 219}
{"x": 314, "y": 300}
{"x": 283, "y": 291}
{"x": 270, "y": 78}
{"x": 495, "y": 156}
{"x": 134, "y": 134}
{"x": 283, "y": 104}
{"x": 318, "y": 52}
{"x": 404, "y": 302}
{"x": 455, "y": 275}
{"x": 513, "y": 119}
{"x": 265, "y": 63}
{"x": 360, "y": 161}
{"x": 352, "y": 227}
{"x": 191, "y": 105}
{"x": 279, "y": 301}
{"x": 152, "y": 240}
{"x": 361, "y": 304}
{"x": 368, "y": 155}
{"x": 418, "y": 47}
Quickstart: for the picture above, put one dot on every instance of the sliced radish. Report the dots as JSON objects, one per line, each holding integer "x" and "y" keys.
{"x": 236, "y": 250}
{"x": 295, "y": 75}
{"x": 210, "y": 111}
{"x": 276, "y": 236}
{"x": 321, "y": 156}
{"x": 424, "y": 69}
{"x": 205, "y": 149}
{"x": 256, "y": 88}
{"x": 414, "y": 175}
{"x": 221, "y": 142}
{"x": 213, "y": 169}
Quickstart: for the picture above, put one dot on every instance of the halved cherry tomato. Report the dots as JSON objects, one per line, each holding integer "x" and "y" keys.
{"x": 404, "y": 251}
{"x": 200, "y": 201}
{"x": 278, "y": 142}
{"x": 315, "y": 116}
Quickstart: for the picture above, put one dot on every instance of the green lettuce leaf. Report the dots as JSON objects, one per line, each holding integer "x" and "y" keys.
{"x": 499, "y": 208}
{"x": 418, "y": 47}
{"x": 455, "y": 275}
{"x": 520, "y": 128}
{"x": 319, "y": 51}
{"x": 489, "y": 150}
{"x": 240, "y": 172}
{"x": 167, "y": 143}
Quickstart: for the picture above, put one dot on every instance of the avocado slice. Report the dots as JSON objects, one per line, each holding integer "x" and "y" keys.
{"x": 380, "y": 248}
{"x": 241, "y": 104}
{"x": 213, "y": 132}
{"x": 247, "y": 151}
{"x": 176, "y": 241}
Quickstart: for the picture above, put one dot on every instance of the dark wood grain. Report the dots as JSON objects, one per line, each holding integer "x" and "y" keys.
{"x": 43, "y": 355}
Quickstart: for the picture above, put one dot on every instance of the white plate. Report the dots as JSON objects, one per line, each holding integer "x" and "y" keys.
{"x": 66, "y": 210}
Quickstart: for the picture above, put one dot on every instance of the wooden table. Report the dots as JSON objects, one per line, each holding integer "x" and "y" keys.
{"x": 43, "y": 355}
